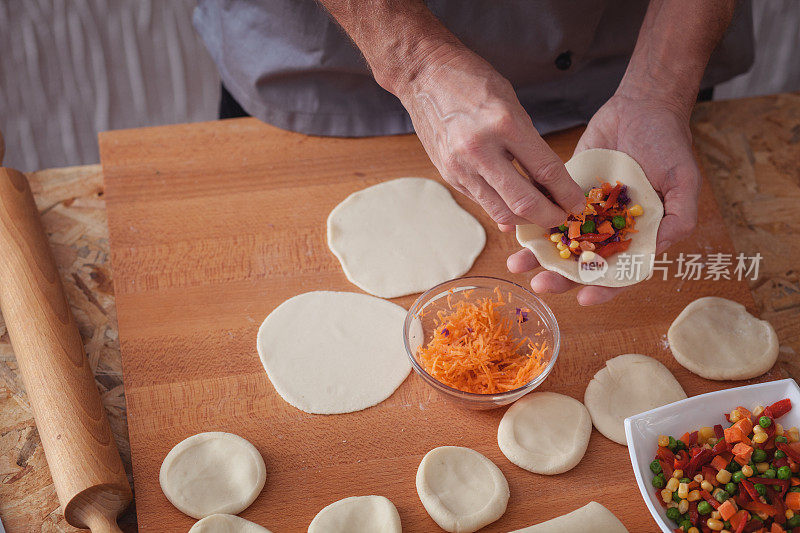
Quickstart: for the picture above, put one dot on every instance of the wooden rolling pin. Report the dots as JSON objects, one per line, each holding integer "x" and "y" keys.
{"x": 80, "y": 449}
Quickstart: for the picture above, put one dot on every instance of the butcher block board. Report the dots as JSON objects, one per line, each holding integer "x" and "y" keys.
{"x": 215, "y": 224}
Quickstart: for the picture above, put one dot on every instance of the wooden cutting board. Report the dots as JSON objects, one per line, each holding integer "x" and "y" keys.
{"x": 215, "y": 224}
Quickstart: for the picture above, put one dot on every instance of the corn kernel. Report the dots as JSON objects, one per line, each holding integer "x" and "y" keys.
{"x": 723, "y": 476}
{"x": 561, "y": 246}
{"x": 683, "y": 506}
{"x": 574, "y": 245}
{"x": 707, "y": 446}
{"x": 716, "y": 516}
{"x": 763, "y": 516}
{"x": 704, "y": 434}
{"x": 666, "y": 495}
{"x": 683, "y": 490}
{"x": 636, "y": 210}
{"x": 565, "y": 253}
{"x": 706, "y": 486}
{"x": 793, "y": 435}
{"x": 693, "y": 496}
{"x": 677, "y": 473}
{"x": 758, "y": 410}
{"x": 725, "y": 531}
{"x": 762, "y": 467}
{"x": 778, "y": 429}
{"x": 698, "y": 478}
{"x": 672, "y": 484}
{"x": 758, "y": 429}
{"x": 693, "y": 530}
{"x": 663, "y": 440}
{"x": 711, "y": 442}
{"x": 760, "y": 438}
{"x": 671, "y": 504}
{"x": 789, "y": 513}
{"x": 735, "y": 416}
{"x": 747, "y": 470}
{"x": 556, "y": 237}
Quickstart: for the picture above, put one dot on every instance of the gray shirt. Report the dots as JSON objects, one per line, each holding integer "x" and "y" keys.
{"x": 288, "y": 63}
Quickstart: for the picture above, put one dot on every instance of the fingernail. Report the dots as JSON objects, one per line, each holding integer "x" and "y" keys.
{"x": 578, "y": 209}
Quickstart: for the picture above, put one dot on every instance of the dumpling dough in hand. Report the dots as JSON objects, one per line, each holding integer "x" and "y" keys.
{"x": 358, "y": 514}
{"x": 545, "y": 433}
{"x": 461, "y": 489}
{"x": 629, "y": 384}
{"x": 717, "y": 338}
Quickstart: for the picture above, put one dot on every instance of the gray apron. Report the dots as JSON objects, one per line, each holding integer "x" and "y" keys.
{"x": 289, "y": 64}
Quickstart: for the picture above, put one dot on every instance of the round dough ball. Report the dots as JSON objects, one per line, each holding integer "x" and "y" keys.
{"x": 545, "y": 432}
{"x": 403, "y": 236}
{"x": 629, "y": 384}
{"x": 226, "y": 523}
{"x": 461, "y": 489}
{"x": 212, "y": 473}
{"x": 358, "y": 514}
{"x": 608, "y": 165}
{"x": 718, "y": 339}
{"x": 334, "y": 352}
{"x": 601, "y": 520}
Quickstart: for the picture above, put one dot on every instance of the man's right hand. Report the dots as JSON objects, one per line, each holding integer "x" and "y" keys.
{"x": 472, "y": 126}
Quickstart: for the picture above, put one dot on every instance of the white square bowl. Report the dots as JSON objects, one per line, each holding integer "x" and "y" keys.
{"x": 642, "y": 430}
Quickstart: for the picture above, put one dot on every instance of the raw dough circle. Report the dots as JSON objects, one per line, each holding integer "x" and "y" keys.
{"x": 334, "y": 352}
{"x": 592, "y": 516}
{"x": 629, "y": 384}
{"x": 717, "y": 338}
{"x": 403, "y": 236}
{"x": 226, "y": 523}
{"x": 608, "y": 165}
{"x": 545, "y": 432}
{"x": 212, "y": 473}
{"x": 358, "y": 514}
{"x": 461, "y": 489}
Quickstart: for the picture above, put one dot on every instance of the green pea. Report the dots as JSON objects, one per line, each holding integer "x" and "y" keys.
{"x": 769, "y": 474}
{"x": 679, "y": 445}
{"x": 685, "y": 480}
{"x": 779, "y": 454}
{"x": 655, "y": 466}
{"x": 672, "y": 442}
{"x": 793, "y": 522}
{"x": 738, "y": 477}
{"x": 731, "y": 488}
{"x": 733, "y": 466}
{"x": 761, "y": 489}
{"x": 759, "y": 455}
{"x": 618, "y": 222}
{"x": 673, "y": 514}
{"x": 590, "y": 227}
{"x": 721, "y": 496}
{"x": 703, "y": 508}
{"x": 675, "y": 497}
{"x": 781, "y": 439}
{"x": 685, "y": 525}
{"x": 764, "y": 422}
{"x": 727, "y": 525}
{"x": 784, "y": 472}
{"x": 658, "y": 481}
{"x": 586, "y": 194}
{"x": 562, "y": 228}
{"x": 794, "y": 489}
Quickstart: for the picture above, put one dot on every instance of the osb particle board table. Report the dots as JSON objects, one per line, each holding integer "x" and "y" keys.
{"x": 750, "y": 150}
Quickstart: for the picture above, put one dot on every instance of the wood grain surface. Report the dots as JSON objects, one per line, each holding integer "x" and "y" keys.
{"x": 213, "y": 225}
{"x": 745, "y": 146}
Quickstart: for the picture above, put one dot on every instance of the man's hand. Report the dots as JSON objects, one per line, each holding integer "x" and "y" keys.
{"x": 472, "y": 126}
{"x": 657, "y": 136}
{"x": 465, "y": 113}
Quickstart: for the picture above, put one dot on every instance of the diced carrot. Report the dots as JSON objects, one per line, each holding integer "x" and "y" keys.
{"x": 745, "y": 425}
{"x": 719, "y": 462}
{"x": 742, "y": 453}
{"x": 793, "y": 501}
{"x": 776, "y": 528}
{"x": 605, "y": 227}
{"x": 727, "y": 509}
{"x": 734, "y": 434}
{"x": 740, "y": 516}
{"x": 744, "y": 412}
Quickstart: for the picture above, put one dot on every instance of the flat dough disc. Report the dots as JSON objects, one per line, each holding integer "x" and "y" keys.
{"x": 718, "y": 339}
{"x": 212, "y": 473}
{"x": 358, "y": 514}
{"x": 461, "y": 489}
{"x": 591, "y": 517}
{"x": 226, "y": 523}
{"x": 334, "y": 352}
{"x": 629, "y": 384}
{"x": 403, "y": 236}
{"x": 545, "y": 432}
{"x": 607, "y": 165}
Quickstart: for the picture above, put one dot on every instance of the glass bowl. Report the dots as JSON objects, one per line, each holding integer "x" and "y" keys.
{"x": 540, "y": 323}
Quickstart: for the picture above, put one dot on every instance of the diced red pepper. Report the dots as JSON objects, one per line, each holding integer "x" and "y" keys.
{"x": 702, "y": 458}
{"x": 693, "y": 439}
{"x": 718, "y": 431}
{"x": 612, "y": 197}
{"x": 694, "y": 516}
{"x": 593, "y": 237}
{"x": 607, "y": 250}
{"x": 750, "y": 488}
{"x": 779, "y": 408}
{"x": 709, "y": 498}
{"x": 792, "y": 452}
{"x": 681, "y": 460}
{"x": 759, "y": 507}
{"x": 664, "y": 453}
{"x": 721, "y": 447}
{"x": 777, "y": 502}
{"x": 710, "y": 474}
